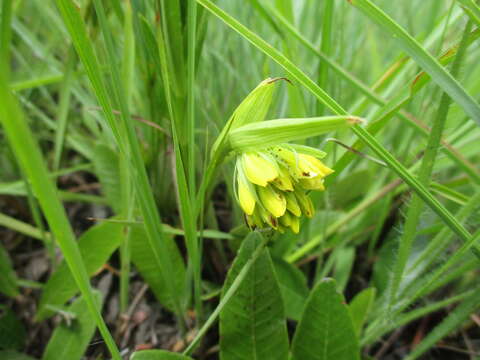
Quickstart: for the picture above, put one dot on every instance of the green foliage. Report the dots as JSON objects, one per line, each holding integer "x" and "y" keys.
{"x": 96, "y": 245}
{"x": 12, "y": 331}
{"x": 293, "y": 286}
{"x": 70, "y": 339}
{"x": 8, "y": 280}
{"x": 253, "y": 324}
{"x": 14, "y": 355}
{"x": 144, "y": 261}
{"x": 326, "y": 330}
{"x": 157, "y": 355}
{"x": 147, "y": 100}
{"x": 360, "y": 308}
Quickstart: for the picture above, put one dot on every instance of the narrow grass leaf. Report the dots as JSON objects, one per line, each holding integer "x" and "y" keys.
{"x": 439, "y": 75}
{"x": 471, "y": 9}
{"x": 106, "y": 164}
{"x": 30, "y": 158}
{"x": 124, "y": 131}
{"x": 454, "y": 320}
{"x": 8, "y": 280}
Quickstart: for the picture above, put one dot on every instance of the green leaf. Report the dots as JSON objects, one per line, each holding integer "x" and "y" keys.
{"x": 360, "y": 307}
{"x": 13, "y": 355}
{"x": 326, "y": 330}
{"x": 158, "y": 355}
{"x": 8, "y": 282}
{"x": 105, "y": 161}
{"x": 71, "y": 341}
{"x": 293, "y": 286}
{"x": 12, "y": 331}
{"x": 96, "y": 245}
{"x": 252, "y": 324}
{"x": 146, "y": 264}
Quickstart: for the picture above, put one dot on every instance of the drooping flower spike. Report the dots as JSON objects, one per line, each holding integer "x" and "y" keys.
{"x": 272, "y": 185}
{"x": 272, "y": 176}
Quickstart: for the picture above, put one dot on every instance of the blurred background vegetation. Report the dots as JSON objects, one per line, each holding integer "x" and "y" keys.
{"x": 161, "y": 82}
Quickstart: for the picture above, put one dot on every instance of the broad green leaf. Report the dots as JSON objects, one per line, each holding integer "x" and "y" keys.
{"x": 13, "y": 355}
{"x": 12, "y": 331}
{"x": 360, "y": 307}
{"x": 146, "y": 264}
{"x": 293, "y": 286}
{"x": 8, "y": 283}
{"x": 96, "y": 245}
{"x": 69, "y": 341}
{"x": 252, "y": 323}
{"x": 326, "y": 330}
{"x": 105, "y": 161}
{"x": 158, "y": 355}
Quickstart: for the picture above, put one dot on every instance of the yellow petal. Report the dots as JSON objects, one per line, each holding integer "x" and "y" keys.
{"x": 305, "y": 203}
{"x": 273, "y": 201}
{"x": 295, "y": 224}
{"x": 257, "y": 169}
{"x": 292, "y": 204}
{"x": 286, "y": 219}
{"x": 311, "y": 167}
{"x": 245, "y": 197}
{"x": 315, "y": 183}
{"x": 255, "y": 220}
{"x": 283, "y": 181}
{"x": 268, "y": 218}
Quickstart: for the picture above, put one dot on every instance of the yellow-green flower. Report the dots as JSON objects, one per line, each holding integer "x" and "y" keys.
{"x": 272, "y": 185}
{"x": 272, "y": 176}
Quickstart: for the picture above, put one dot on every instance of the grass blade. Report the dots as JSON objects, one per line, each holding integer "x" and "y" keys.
{"x": 438, "y": 73}
{"x": 30, "y": 158}
{"x": 123, "y": 131}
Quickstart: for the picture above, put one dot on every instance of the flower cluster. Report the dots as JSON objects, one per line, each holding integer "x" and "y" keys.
{"x": 272, "y": 186}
